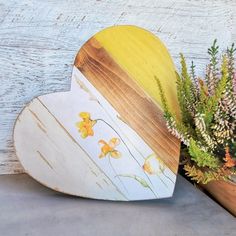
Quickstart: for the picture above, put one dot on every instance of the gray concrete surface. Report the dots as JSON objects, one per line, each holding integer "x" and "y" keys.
{"x": 28, "y": 208}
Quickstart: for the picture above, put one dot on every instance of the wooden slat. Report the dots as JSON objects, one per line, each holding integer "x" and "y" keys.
{"x": 132, "y": 103}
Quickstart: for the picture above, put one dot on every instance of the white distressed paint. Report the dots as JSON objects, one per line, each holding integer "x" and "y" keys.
{"x": 51, "y": 149}
{"x": 45, "y": 160}
{"x": 39, "y": 39}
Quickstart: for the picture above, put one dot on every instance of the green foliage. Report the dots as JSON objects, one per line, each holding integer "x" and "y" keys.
{"x": 187, "y": 94}
{"x": 208, "y": 115}
{"x": 193, "y": 70}
{"x": 177, "y": 128}
{"x": 230, "y": 55}
{"x": 202, "y": 158}
{"x": 201, "y": 176}
{"x": 213, "y": 52}
{"x": 188, "y": 86}
{"x": 162, "y": 95}
{"x": 231, "y": 50}
{"x": 211, "y": 104}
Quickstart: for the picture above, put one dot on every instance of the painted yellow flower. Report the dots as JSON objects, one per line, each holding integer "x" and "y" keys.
{"x": 153, "y": 165}
{"x": 85, "y": 127}
{"x": 108, "y": 149}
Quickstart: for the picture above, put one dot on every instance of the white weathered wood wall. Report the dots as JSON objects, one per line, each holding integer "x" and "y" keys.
{"x": 39, "y": 39}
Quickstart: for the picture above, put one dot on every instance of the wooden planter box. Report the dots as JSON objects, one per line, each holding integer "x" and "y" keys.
{"x": 224, "y": 192}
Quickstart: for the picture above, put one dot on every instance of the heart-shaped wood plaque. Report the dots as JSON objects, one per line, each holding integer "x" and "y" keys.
{"x": 106, "y": 138}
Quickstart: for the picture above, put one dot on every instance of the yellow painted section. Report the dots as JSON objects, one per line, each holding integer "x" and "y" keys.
{"x": 142, "y": 55}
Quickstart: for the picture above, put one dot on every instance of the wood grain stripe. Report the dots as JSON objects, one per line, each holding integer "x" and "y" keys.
{"x": 136, "y": 108}
{"x": 44, "y": 159}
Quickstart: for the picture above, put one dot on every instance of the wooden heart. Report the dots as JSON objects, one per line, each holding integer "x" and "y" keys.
{"x": 106, "y": 138}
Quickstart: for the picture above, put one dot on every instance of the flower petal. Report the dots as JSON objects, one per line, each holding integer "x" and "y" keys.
{"x": 84, "y": 115}
{"x": 147, "y": 168}
{"x": 90, "y": 131}
{"x": 115, "y": 154}
{"x": 77, "y": 124}
{"x": 102, "y": 155}
{"x": 101, "y": 141}
{"x": 114, "y": 142}
{"x": 153, "y": 165}
{"x": 84, "y": 133}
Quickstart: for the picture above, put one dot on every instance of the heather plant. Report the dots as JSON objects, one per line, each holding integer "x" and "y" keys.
{"x": 207, "y": 127}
